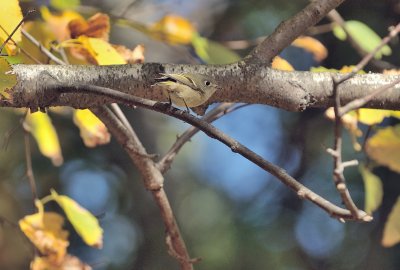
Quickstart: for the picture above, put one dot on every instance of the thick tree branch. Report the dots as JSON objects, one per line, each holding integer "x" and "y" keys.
{"x": 294, "y": 91}
{"x": 290, "y": 29}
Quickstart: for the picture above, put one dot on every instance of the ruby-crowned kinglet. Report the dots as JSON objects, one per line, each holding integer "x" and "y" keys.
{"x": 185, "y": 89}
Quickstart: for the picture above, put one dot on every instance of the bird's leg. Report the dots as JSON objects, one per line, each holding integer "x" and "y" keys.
{"x": 187, "y": 107}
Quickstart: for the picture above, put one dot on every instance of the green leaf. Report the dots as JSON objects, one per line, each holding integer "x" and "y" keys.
{"x": 364, "y": 36}
{"x": 391, "y": 232}
{"x": 373, "y": 189}
{"x": 65, "y": 4}
{"x": 85, "y": 224}
{"x": 212, "y": 52}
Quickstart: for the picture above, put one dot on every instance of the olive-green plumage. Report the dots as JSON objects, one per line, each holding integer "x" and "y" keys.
{"x": 186, "y": 90}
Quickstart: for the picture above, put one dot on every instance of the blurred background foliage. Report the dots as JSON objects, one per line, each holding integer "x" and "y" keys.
{"x": 232, "y": 214}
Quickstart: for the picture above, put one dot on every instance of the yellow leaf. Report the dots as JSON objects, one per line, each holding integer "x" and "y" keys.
{"x": 59, "y": 23}
{"x": 11, "y": 16}
{"x": 40, "y": 126}
{"x": 281, "y": 64}
{"x": 391, "y": 232}
{"x": 384, "y": 147}
{"x": 313, "y": 46}
{"x": 372, "y": 116}
{"x": 85, "y": 224}
{"x": 7, "y": 81}
{"x": 44, "y": 230}
{"x": 96, "y": 51}
{"x": 92, "y": 130}
{"x": 173, "y": 29}
{"x": 373, "y": 189}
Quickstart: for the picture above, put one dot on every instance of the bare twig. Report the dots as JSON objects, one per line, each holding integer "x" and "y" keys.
{"x": 29, "y": 168}
{"x": 212, "y": 132}
{"x": 42, "y": 48}
{"x": 336, "y": 153}
{"x": 165, "y": 162}
{"x": 152, "y": 178}
{"x": 338, "y": 176}
{"x": 335, "y": 17}
{"x": 368, "y": 57}
{"x": 357, "y": 103}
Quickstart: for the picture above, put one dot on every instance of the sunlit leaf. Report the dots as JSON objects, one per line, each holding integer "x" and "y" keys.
{"x": 372, "y": 116}
{"x": 44, "y": 230}
{"x": 384, "y": 147}
{"x": 95, "y": 50}
{"x": 391, "y": 232}
{"x": 212, "y": 52}
{"x": 68, "y": 263}
{"x": 40, "y": 126}
{"x": 312, "y": 45}
{"x": 364, "y": 36}
{"x": 373, "y": 189}
{"x": 85, "y": 224}
{"x": 9, "y": 19}
{"x": 173, "y": 29}
{"x": 92, "y": 130}
{"x": 64, "y": 4}
{"x": 7, "y": 80}
{"x": 344, "y": 69}
{"x": 135, "y": 56}
{"x": 281, "y": 64}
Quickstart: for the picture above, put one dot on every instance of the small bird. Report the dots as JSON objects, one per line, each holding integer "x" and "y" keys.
{"x": 186, "y": 89}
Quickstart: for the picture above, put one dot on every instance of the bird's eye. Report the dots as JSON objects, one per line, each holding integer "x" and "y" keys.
{"x": 207, "y": 83}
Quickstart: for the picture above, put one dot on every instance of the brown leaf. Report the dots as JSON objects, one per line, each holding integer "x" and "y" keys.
{"x": 97, "y": 26}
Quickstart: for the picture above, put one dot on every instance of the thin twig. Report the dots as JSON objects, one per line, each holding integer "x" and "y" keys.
{"x": 213, "y": 132}
{"x": 338, "y": 176}
{"x": 15, "y": 30}
{"x": 29, "y": 168}
{"x": 336, "y": 153}
{"x": 368, "y": 57}
{"x": 335, "y": 17}
{"x": 224, "y": 108}
{"x": 42, "y": 48}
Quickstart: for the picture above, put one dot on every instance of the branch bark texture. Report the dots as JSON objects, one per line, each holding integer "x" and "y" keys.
{"x": 239, "y": 82}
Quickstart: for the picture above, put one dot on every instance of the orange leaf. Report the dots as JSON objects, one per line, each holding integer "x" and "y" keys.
{"x": 44, "y": 230}
{"x": 68, "y": 263}
{"x": 11, "y": 16}
{"x": 97, "y": 26}
{"x": 313, "y": 46}
{"x": 281, "y": 64}
{"x": 92, "y": 130}
{"x": 173, "y": 29}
